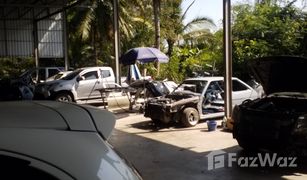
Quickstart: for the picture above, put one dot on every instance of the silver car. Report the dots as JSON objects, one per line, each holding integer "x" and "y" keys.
{"x": 81, "y": 84}
{"x": 56, "y": 140}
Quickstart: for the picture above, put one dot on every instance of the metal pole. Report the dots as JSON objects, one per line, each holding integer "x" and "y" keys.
{"x": 65, "y": 49}
{"x": 228, "y": 63}
{"x": 35, "y": 40}
{"x": 5, "y": 37}
{"x": 116, "y": 40}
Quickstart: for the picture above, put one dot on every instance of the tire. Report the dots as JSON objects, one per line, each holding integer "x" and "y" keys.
{"x": 63, "y": 97}
{"x": 190, "y": 117}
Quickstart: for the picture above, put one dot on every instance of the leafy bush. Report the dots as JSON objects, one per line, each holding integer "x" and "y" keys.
{"x": 13, "y": 67}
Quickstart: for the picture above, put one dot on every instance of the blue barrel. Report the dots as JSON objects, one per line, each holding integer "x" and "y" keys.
{"x": 211, "y": 125}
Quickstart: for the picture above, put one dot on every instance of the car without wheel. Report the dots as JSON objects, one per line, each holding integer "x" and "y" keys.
{"x": 278, "y": 120}
{"x": 195, "y": 99}
{"x": 57, "y": 140}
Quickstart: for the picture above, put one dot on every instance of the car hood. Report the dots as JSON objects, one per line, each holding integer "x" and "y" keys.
{"x": 280, "y": 73}
{"x": 54, "y": 82}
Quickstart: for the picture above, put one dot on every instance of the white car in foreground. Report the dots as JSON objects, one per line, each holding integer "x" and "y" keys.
{"x": 56, "y": 140}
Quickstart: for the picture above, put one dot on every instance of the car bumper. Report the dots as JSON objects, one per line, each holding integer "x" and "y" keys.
{"x": 263, "y": 129}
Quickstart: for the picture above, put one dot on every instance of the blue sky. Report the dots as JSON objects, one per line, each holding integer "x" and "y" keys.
{"x": 208, "y": 8}
{"x": 211, "y": 8}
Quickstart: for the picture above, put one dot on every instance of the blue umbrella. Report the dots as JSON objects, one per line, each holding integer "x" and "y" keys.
{"x": 143, "y": 55}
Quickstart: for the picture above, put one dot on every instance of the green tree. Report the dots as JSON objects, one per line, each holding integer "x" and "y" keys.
{"x": 91, "y": 30}
{"x": 264, "y": 30}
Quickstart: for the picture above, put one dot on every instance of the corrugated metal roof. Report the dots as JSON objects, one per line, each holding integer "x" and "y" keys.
{"x": 17, "y": 19}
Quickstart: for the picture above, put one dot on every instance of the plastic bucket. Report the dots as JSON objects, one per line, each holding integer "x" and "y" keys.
{"x": 211, "y": 125}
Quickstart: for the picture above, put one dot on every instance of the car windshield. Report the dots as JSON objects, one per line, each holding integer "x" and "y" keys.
{"x": 160, "y": 87}
{"x": 58, "y": 76}
{"x": 72, "y": 75}
{"x": 192, "y": 85}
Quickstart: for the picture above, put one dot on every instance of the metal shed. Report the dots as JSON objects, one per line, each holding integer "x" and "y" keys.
{"x": 34, "y": 28}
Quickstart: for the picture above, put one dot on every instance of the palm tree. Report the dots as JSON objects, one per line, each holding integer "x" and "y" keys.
{"x": 94, "y": 26}
{"x": 174, "y": 28}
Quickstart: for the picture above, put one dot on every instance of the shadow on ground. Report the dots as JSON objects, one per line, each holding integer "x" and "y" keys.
{"x": 157, "y": 160}
{"x": 172, "y": 126}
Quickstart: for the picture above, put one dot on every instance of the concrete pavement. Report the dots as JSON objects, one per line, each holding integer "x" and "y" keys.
{"x": 181, "y": 153}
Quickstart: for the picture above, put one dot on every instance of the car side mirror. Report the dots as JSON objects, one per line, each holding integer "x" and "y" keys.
{"x": 80, "y": 78}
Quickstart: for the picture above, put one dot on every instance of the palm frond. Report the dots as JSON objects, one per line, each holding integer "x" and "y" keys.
{"x": 199, "y": 23}
{"x": 186, "y": 11}
{"x": 84, "y": 27}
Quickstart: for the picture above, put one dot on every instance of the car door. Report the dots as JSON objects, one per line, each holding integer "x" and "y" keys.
{"x": 87, "y": 86}
{"x": 240, "y": 92}
{"x": 107, "y": 77}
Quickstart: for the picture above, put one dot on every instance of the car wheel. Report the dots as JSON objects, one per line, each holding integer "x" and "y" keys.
{"x": 190, "y": 117}
{"x": 63, "y": 97}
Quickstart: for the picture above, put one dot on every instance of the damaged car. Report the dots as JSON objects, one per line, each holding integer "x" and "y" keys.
{"x": 195, "y": 99}
{"x": 277, "y": 120}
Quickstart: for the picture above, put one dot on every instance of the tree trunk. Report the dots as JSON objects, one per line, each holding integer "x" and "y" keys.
{"x": 170, "y": 44}
{"x": 94, "y": 46}
{"x": 156, "y": 7}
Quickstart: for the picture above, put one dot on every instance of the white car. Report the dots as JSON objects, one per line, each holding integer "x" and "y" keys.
{"x": 81, "y": 84}
{"x": 195, "y": 99}
{"x": 57, "y": 140}
{"x": 40, "y": 74}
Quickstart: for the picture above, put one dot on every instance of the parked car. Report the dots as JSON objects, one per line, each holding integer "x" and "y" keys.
{"x": 56, "y": 140}
{"x": 40, "y": 74}
{"x": 58, "y": 75}
{"x": 279, "y": 119}
{"x": 195, "y": 99}
{"x": 22, "y": 87}
{"x": 17, "y": 89}
{"x": 81, "y": 84}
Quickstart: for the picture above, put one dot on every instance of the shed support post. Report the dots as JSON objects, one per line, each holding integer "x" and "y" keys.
{"x": 228, "y": 64}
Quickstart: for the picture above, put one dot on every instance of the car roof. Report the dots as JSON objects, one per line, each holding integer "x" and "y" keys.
{"x": 44, "y": 115}
{"x": 209, "y": 78}
{"x": 98, "y": 67}
{"x": 57, "y": 116}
